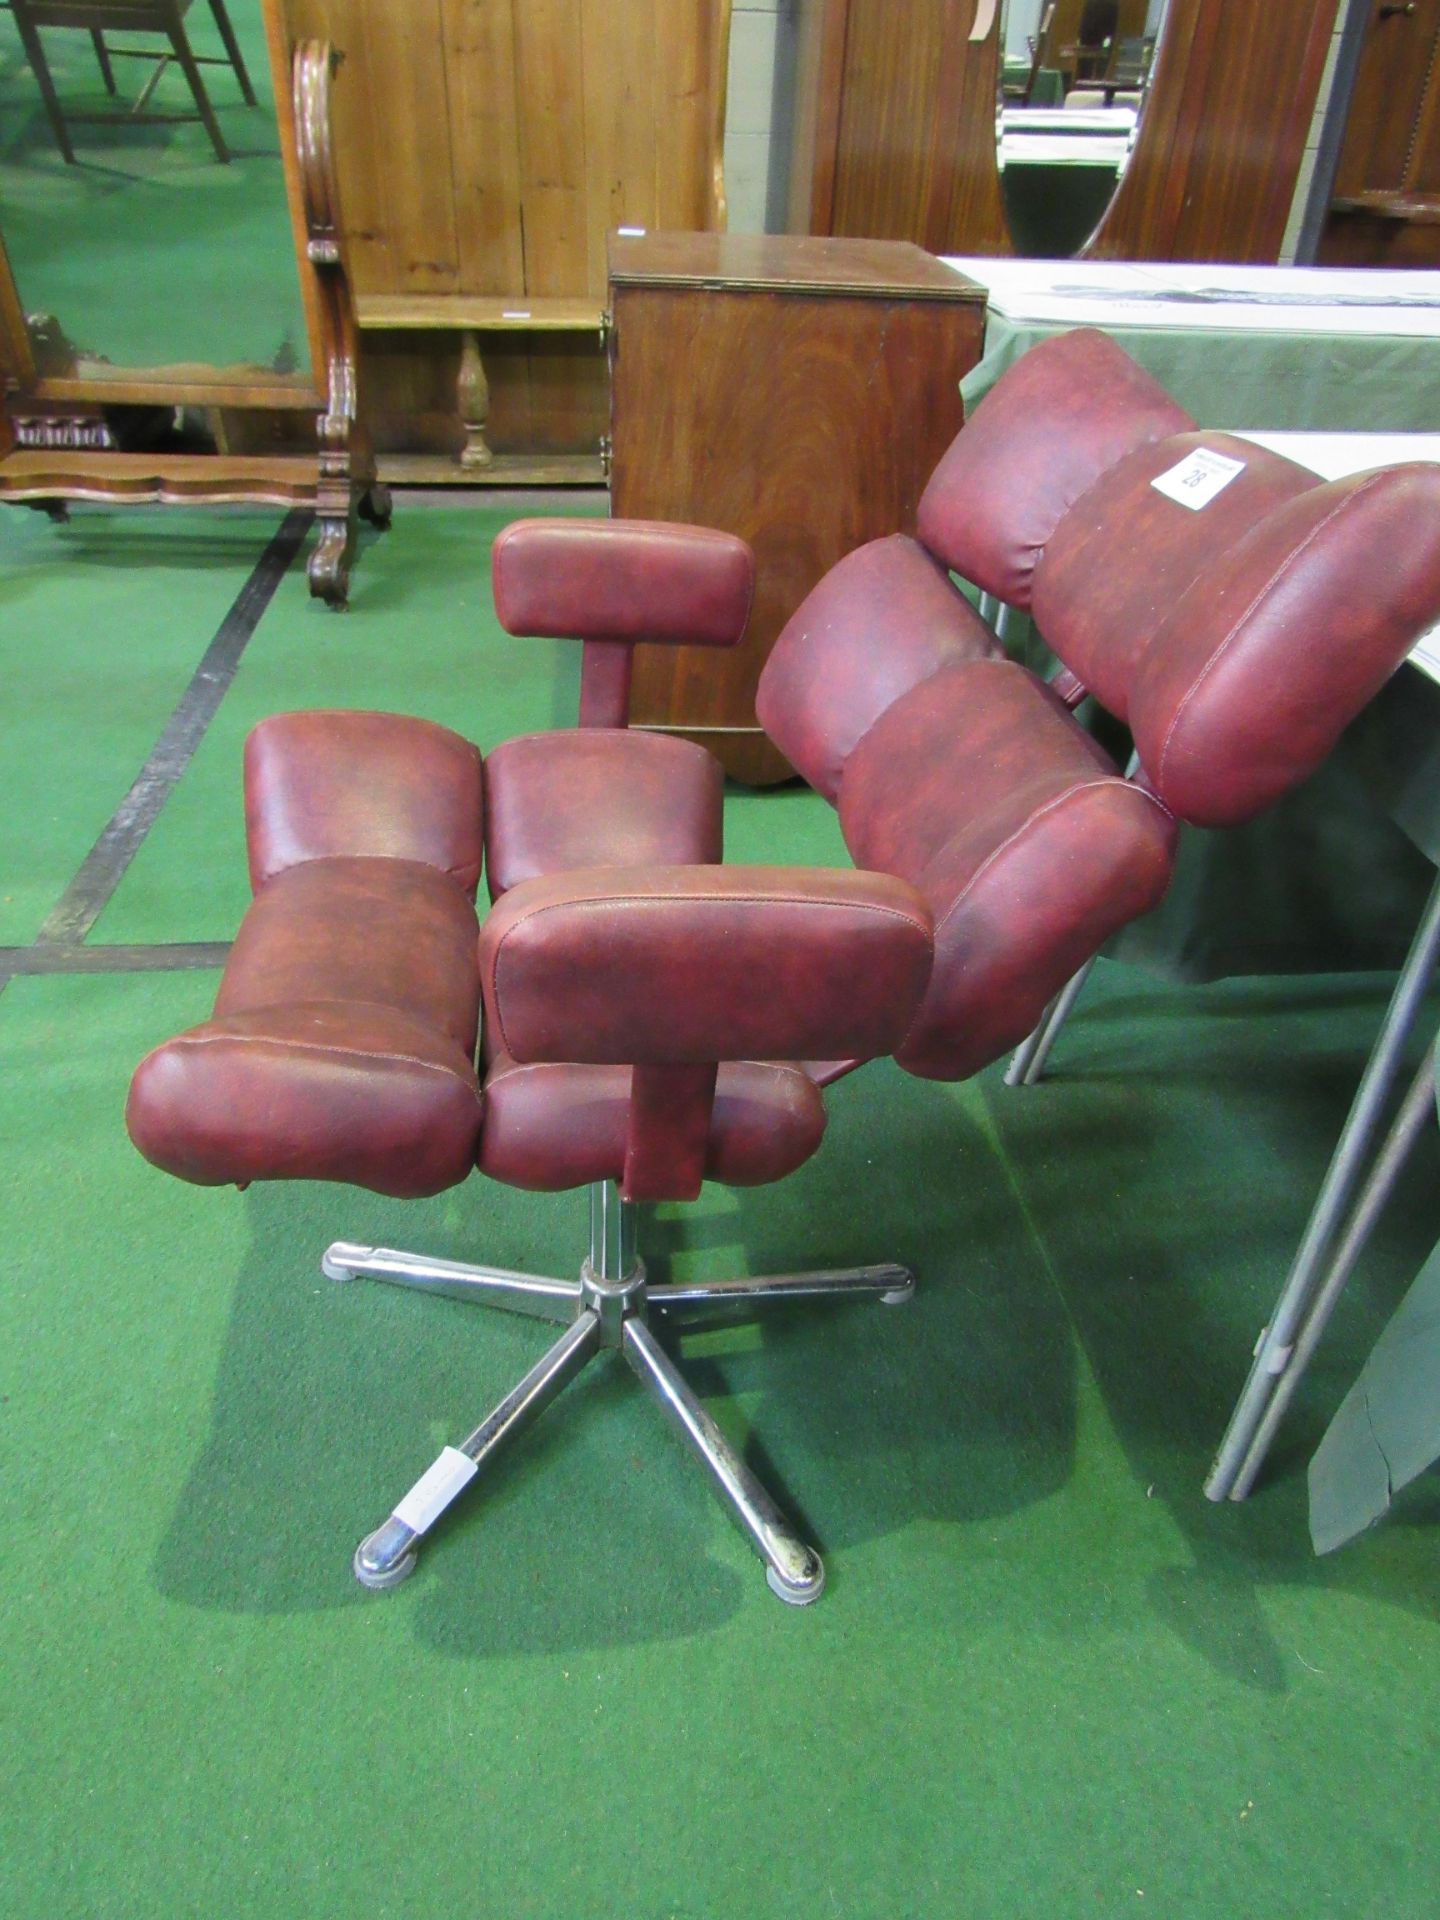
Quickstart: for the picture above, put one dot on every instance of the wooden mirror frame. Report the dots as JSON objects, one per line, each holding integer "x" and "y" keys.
{"x": 1216, "y": 159}
{"x": 338, "y": 480}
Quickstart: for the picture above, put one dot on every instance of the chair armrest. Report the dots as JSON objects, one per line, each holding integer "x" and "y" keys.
{"x": 660, "y": 966}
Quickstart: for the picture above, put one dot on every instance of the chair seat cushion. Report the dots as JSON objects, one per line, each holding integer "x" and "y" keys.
{"x": 342, "y": 1042}
{"x": 1030, "y": 850}
{"x": 554, "y": 1125}
{"x": 598, "y": 797}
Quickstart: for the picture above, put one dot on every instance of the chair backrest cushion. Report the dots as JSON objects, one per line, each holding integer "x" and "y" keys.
{"x": 883, "y": 619}
{"x": 1048, "y": 428}
{"x": 1126, "y": 552}
{"x": 1260, "y": 666}
{"x": 1020, "y": 836}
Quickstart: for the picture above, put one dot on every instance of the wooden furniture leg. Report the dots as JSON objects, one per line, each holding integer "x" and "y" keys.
{"x": 232, "y": 48}
{"x": 180, "y": 41}
{"x": 40, "y": 67}
{"x": 107, "y": 72}
{"x": 474, "y": 395}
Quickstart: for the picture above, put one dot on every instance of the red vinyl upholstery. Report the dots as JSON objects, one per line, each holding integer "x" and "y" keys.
{"x": 672, "y": 971}
{"x": 828, "y": 682}
{"x": 1039, "y": 439}
{"x": 614, "y": 583}
{"x": 1049, "y": 853}
{"x": 342, "y": 1042}
{"x": 598, "y": 796}
{"x": 622, "y": 580}
{"x": 305, "y": 797}
{"x": 1098, "y": 609}
{"x": 1250, "y": 681}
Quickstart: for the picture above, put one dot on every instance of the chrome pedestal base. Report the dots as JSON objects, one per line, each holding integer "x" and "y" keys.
{"x": 611, "y": 1305}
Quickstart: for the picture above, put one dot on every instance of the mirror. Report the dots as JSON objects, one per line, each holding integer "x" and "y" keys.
{"x": 142, "y": 191}
{"x": 1074, "y": 78}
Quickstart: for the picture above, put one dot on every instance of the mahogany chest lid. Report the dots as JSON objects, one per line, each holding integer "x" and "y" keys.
{"x": 778, "y": 262}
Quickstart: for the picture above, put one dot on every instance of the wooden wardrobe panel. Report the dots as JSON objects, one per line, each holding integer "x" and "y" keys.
{"x": 479, "y": 49}
{"x": 551, "y": 107}
{"x": 1259, "y": 98}
{"x": 618, "y": 58}
{"x": 692, "y": 44}
{"x": 887, "y": 118}
{"x": 964, "y": 210}
{"x": 912, "y": 153}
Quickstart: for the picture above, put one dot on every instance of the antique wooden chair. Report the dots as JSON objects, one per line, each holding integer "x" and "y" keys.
{"x": 96, "y": 17}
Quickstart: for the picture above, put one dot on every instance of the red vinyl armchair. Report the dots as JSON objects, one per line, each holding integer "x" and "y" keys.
{"x": 652, "y": 1018}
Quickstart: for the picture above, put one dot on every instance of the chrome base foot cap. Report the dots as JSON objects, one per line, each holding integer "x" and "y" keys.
{"x": 373, "y": 1571}
{"x": 802, "y": 1593}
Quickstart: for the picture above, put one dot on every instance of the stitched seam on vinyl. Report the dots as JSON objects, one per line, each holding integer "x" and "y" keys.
{"x": 1290, "y": 560}
{"x": 1024, "y": 827}
{"x": 650, "y": 899}
{"x": 466, "y": 887}
{"x": 518, "y": 1067}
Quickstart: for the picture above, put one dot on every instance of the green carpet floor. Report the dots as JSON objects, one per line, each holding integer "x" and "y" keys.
{"x": 1046, "y": 1677}
{"x": 104, "y": 622}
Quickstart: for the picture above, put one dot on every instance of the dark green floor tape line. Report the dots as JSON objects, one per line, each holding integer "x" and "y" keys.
{"x": 82, "y": 902}
{"x": 177, "y": 958}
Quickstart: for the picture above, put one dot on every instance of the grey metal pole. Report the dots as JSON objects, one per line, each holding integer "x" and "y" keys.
{"x": 1275, "y": 1347}
{"x": 1037, "y": 1048}
{"x": 1417, "y": 1113}
{"x": 1027, "y": 1063}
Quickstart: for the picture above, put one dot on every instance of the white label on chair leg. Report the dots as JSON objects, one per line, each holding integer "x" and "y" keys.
{"x": 1198, "y": 478}
{"x": 435, "y": 1489}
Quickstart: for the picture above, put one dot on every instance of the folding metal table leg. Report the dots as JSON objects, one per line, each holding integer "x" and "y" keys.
{"x": 1275, "y": 1348}
{"x": 1416, "y": 1115}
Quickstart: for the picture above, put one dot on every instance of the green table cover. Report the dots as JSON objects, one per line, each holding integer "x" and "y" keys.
{"x": 1369, "y": 383}
{"x": 1053, "y": 206}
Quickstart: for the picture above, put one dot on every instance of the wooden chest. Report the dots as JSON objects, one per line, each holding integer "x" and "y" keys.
{"x": 794, "y": 390}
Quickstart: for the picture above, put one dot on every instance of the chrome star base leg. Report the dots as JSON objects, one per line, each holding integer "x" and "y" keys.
{"x": 609, "y": 1306}
{"x": 525, "y": 1293}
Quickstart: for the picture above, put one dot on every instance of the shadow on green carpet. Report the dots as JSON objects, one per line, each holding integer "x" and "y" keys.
{"x": 1174, "y": 1244}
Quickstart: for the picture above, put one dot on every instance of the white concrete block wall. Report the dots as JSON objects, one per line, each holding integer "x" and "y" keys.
{"x": 750, "y": 112}
{"x": 1312, "y": 149}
